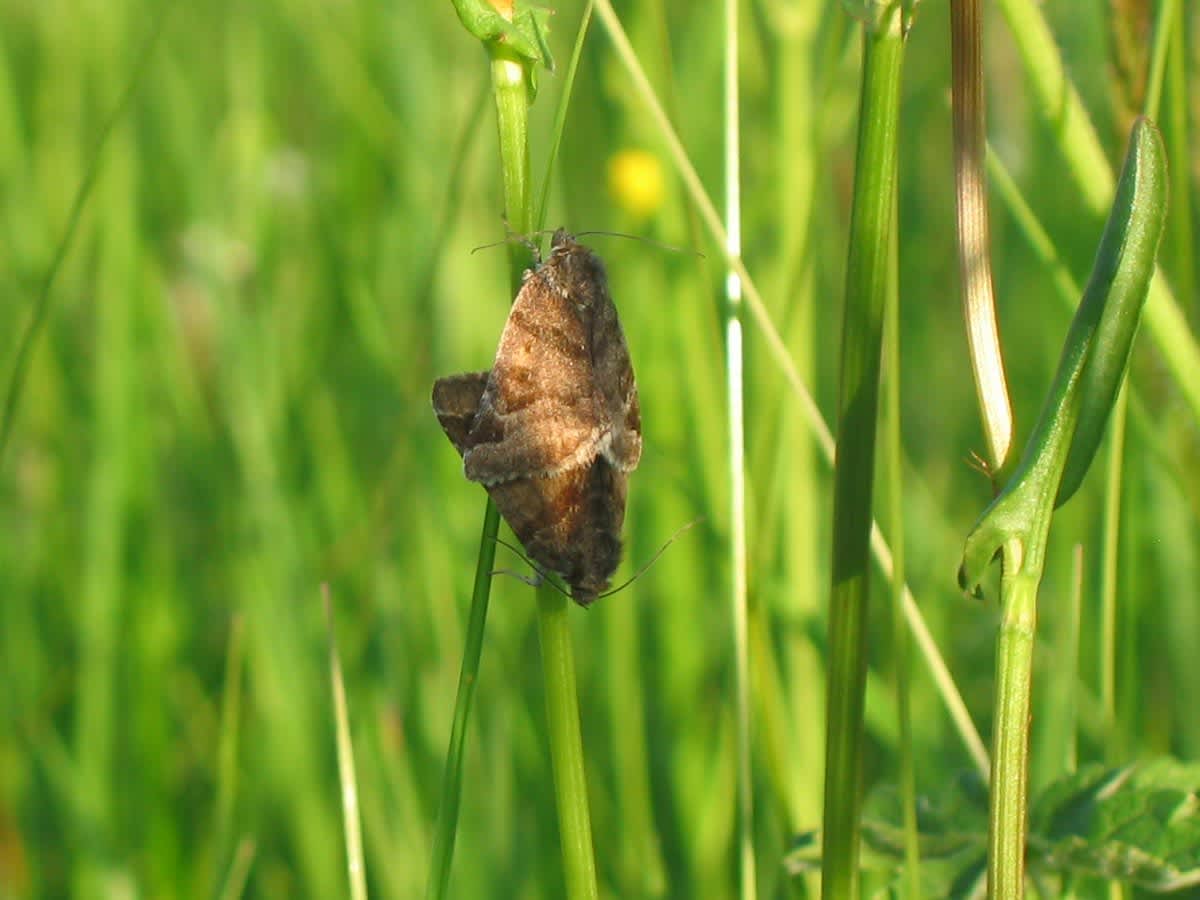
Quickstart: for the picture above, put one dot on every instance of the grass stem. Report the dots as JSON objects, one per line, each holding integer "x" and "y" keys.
{"x": 566, "y": 745}
{"x": 734, "y": 371}
{"x": 866, "y": 289}
{"x": 512, "y": 117}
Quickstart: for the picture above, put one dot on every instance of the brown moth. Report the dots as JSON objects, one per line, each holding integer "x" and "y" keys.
{"x": 553, "y": 430}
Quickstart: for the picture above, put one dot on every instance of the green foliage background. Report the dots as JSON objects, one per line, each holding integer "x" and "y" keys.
{"x": 229, "y": 405}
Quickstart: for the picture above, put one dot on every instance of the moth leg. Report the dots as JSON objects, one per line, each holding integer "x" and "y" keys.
{"x": 534, "y": 581}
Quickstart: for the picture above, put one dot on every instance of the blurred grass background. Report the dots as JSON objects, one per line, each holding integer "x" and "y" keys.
{"x": 229, "y": 405}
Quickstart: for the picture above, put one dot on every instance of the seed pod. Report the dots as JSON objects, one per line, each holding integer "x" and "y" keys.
{"x": 1120, "y": 280}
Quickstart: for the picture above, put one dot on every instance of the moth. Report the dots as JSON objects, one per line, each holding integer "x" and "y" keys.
{"x": 553, "y": 429}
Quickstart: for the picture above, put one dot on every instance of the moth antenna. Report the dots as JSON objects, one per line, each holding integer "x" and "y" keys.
{"x": 661, "y": 550}
{"x": 511, "y": 237}
{"x": 645, "y": 240}
{"x": 475, "y": 250}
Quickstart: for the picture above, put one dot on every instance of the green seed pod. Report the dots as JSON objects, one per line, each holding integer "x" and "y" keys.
{"x": 1120, "y": 280}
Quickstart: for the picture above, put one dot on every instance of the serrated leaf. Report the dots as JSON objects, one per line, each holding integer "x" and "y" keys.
{"x": 1138, "y": 823}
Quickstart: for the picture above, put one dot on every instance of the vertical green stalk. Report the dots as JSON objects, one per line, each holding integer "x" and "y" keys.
{"x": 447, "y": 823}
{"x": 737, "y": 462}
{"x": 866, "y": 289}
{"x": 356, "y": 869}
{"x": 788, "y": 677}
{"x": 1069, "y": 697}
{"x": 895, "y": 511}
{"x": 511, "y": 92}
{"x": 566, "y": 745}
{"x": 1109, "y": 550}
{"x": 512, "y": 119}
{"x": 1010, "y": 748}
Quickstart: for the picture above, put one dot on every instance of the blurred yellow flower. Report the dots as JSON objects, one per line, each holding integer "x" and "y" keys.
{"x": 635, "y": 180}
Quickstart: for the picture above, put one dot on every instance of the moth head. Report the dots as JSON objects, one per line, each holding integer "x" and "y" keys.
{"x": 574, "y": 268}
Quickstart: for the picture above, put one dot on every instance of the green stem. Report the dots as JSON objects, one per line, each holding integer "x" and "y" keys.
{"x": 566, "y": 745}
{"x": 447, "y": 822}
{"x": 512, "y": 120}
{"x": 558, "y": 663}
{"x": 1010, "y": 754}
{"x": 1109, "y": 553}
{"x": 512, "y": 115}
{"x": 901, "y": 649}
{"x": 866, "y": 289}
{"x": 734, "y": 372}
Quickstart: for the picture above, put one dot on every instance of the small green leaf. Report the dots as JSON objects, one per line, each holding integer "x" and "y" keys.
{"x": 1144, "y": 181}
{"x": 1138, "y": 824}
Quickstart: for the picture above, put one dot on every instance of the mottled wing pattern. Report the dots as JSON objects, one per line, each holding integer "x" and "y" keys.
{"x": 539, "y": 414}
{"x": 569, "y": 523}
{"x": 456, "y": 403}
{"x": 612, "y": 369}
{"x": 554, "y": 428}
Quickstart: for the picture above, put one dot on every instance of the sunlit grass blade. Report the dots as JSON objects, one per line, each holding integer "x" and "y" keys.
{"x": 867, "y": 280}
{"x": 974, "y": 252}
{"x": 735, "y": 389}
{"x": 893, "y": 494}
{"x": 779, "y": 352}
{"x": 356, "y": 868}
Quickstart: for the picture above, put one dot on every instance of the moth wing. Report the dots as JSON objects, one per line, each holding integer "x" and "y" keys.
{"x": 616, "y": 386}
{"x": 456, "y": 401}
{"x": 569, "y": 523}
{"x": 539, "y": 413}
